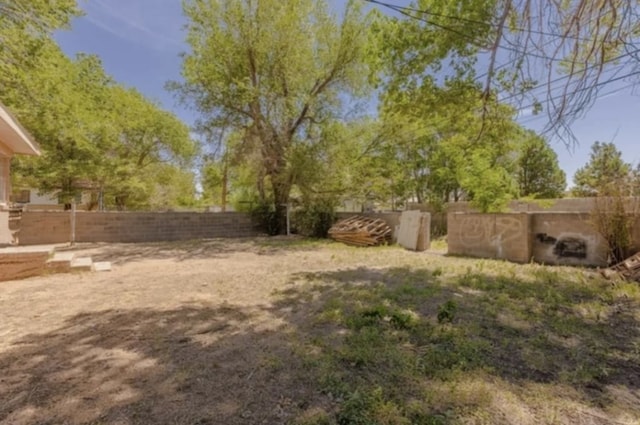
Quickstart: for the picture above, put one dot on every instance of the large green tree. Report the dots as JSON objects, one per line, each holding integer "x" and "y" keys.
{"x": 450, "y": 145}
{"x": 539, "y": 175}
{"x": 605, "y": 174}
{"x": 276, "y": 71}
{"x": 551, "y": 56}
{"x": 95, "y": 135}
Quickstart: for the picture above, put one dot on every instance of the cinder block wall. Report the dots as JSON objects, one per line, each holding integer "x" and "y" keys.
{"x": 40, "y": 227}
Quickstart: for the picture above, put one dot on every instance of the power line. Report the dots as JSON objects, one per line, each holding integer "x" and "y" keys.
{"x": 564, "y": 77}
{"x": 397, "y": 8}
{"x": 612, "y": 80}
{"x": 600, "y": 96}
{"x": 470, "y": 38}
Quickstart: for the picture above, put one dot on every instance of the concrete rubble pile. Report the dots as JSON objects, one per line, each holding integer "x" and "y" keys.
{"x": 361, "y": 231}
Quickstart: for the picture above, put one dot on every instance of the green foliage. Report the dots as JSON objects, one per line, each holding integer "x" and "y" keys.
{"x": 611, "y": 181}
{"x": 445, "y": 146}
{"x": 279, "y": 104}
{"x": 25, "y": 32}
{"x": 539, "y": 175}
{"x": 393, "y": 343}
{"x": 265, "y": 216}
{"x": 447, "y": 311}
{"x": 315, "y": 217}
{"x": 491, "y": 187}
{"x": 95, "y": 135}
{"x": 605, "y": 173}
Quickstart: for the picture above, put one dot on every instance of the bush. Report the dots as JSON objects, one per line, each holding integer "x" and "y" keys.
{"x": 266, "y": 217}
{"x": 614, "y": 218}
{"x": 315, "y": 218}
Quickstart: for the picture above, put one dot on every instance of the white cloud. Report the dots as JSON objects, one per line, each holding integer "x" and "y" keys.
{"x": 156, "y": 24}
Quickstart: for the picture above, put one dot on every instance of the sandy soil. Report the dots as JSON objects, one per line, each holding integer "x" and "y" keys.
{"x": 184, "y": 333}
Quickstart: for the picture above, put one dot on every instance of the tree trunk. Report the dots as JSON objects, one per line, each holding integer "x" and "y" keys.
{"x": 281, "y": 192}
{"x": 225, "y": 178}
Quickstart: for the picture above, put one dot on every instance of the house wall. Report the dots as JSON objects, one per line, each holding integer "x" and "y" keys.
{"x": 42, "y": 199}
{"x": 5, "y": 181}
{"x": 46, "y": 227}
{"x": 49, "y": 201}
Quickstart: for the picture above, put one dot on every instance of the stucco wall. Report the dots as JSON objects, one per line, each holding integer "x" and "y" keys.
{"x": 562, "y": 238}
{"x": 567, "y": 238}
{"x": 582, "y": 205}
{"x": 503, "y": 236}
{"x": 40, "y": 227}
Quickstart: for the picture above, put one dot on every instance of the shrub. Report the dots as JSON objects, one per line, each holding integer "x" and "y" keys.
{"x": 315, "y": 218}
{"x": 265, "y": 216}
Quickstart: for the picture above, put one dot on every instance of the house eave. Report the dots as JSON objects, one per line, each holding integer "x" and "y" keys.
{"x": 14, "y": 136}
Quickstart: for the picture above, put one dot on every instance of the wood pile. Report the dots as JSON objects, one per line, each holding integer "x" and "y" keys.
{"x": 361, "y": 231}
{"x": 628, "y": 269}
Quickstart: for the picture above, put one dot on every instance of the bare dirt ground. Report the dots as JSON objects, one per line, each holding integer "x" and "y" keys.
{"x": 185, "y": 333}
{"x": 176, "y": 333}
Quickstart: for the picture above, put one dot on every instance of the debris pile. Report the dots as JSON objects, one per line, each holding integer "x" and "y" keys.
{"x": 628, "y": 269}
{"x": 361, "y": 231}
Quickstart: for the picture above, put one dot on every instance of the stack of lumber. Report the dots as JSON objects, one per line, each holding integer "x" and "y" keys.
{"x": 628, "y": 269}
{"x": 361, "y": 231}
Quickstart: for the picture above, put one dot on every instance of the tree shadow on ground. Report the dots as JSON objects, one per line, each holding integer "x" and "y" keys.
{"x": 307, "y": 352}
{"x": 186, "y": 366}
{"x": 200, "y": 249}
{"x": 579, "y": 334}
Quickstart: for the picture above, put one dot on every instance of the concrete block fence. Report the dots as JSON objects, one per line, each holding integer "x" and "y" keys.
{"x": 48, "y": 227}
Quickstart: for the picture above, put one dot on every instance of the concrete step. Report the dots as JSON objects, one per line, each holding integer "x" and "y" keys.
{"x": 60, "y": 262}
{"x": 22, "y": 262}
{"x": 102, "y": 266}
{"x": 81, "y": 264}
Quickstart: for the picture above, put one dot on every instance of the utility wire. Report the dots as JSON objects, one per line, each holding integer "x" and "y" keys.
{"x": 530, "y": 119}
{"x": 568, "y": 76}
{"x": 468, "y": 37}
{"x": 398, "y": 9}
{"x": 612, "y": 80}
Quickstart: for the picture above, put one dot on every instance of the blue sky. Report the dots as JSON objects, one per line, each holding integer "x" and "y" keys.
{"x": 139, "y": 42}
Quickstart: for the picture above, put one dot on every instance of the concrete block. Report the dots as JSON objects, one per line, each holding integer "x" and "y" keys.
{"x": 413, "y": 232}
{"x": 102, "y": 266}
{"x": 60, "y": 262}
{"x": 82, "y": 264}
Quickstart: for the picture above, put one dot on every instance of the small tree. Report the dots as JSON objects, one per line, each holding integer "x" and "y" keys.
{"x": 605, "y": 173}
{"x": 539, "y": 175}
